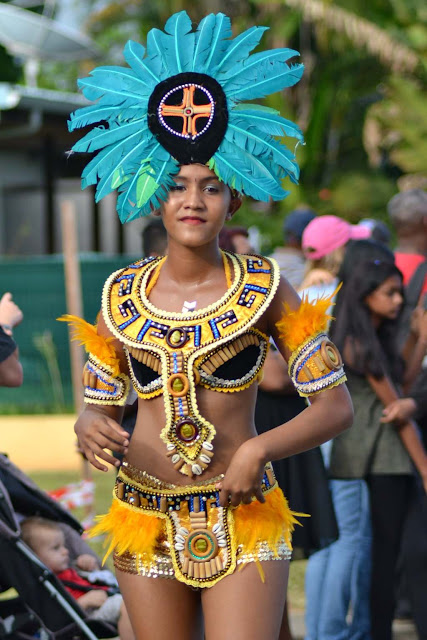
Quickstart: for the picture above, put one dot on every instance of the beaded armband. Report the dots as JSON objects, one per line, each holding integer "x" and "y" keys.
{"x": 103, "y": 383}
{"x": 316, "y": 365}
{"x": 101, "y": 386}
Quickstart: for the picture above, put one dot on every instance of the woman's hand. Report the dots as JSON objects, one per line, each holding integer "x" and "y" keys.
{"x": 400, "y": 410}
{"x": 316, "y": 277}
{"x": 419, "y": 323}
{"x": 244, "y": 475}
{"x": 97, "y": 431}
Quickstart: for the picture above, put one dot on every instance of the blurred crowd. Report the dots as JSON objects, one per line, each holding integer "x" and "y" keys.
{"x": 376, "y": 570}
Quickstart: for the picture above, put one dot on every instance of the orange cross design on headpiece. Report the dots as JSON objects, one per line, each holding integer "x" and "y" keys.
{"x": 188, "y": 111}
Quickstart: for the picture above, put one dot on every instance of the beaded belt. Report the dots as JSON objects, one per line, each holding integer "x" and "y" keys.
{"x": 200, "y": 532}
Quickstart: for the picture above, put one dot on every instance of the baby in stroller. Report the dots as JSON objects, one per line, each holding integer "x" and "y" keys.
{"x": 47, "y": 540}
{"x": 39, "y": 605}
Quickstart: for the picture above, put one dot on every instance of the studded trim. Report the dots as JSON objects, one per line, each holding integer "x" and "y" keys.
{"x": 140, "y": 326}
{"x": 316, "y": 365}
{"x": 210, "y": 363}
{"x": 101, "y": 386}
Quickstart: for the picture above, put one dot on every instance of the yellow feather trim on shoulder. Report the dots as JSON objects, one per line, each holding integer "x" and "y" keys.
{"x": 308, "y": 320}
{"x": 99, "y": 346}
{"x": 269, "y": 522}
{"x": 129, "y": 530}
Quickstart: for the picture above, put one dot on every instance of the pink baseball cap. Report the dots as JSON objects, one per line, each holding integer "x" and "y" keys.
{"x": 326, "y": 233}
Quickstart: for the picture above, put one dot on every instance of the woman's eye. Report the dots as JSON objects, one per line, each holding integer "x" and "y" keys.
{"x": 211, "y": 189}
{"x": 177, "y": 187}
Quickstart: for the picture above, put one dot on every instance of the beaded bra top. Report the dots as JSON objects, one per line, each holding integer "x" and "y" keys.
{"x": 171, "y": 353}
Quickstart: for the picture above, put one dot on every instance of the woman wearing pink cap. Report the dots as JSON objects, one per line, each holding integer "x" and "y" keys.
{"x": 326, "y": 234}
{"x": 323, "y": 242}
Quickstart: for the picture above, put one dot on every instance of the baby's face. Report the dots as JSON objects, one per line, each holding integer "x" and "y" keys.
{"x": 50, "y": 547}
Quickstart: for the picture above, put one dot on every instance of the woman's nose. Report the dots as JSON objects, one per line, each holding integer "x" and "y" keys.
{"x": 193, "y": 198}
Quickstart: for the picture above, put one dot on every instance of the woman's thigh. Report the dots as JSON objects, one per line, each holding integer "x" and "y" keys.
{"x": 161, "y": 608}
{"x": 242, "y": 607}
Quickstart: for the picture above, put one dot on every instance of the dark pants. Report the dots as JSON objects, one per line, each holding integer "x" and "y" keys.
{"x": 414, "y": 560}
{"x": 390, "y": 499}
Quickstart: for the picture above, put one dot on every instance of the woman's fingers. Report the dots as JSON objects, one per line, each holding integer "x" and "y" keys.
{"x": 229, "y": 497}
{"x": 259, "y": 495}
{"x": 93, "y": 461}
{"x": 117, "y": 432}
{"x": 101, "y": 453}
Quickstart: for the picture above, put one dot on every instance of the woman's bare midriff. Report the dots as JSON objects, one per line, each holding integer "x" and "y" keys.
{"x": 230, "y": 413}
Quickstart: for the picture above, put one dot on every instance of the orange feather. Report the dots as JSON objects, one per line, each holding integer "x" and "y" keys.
{"x": 308, "y": 320}
{"x": 99, "y": 346}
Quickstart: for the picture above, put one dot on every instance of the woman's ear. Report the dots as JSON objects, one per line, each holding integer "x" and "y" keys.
{"x": 235, "y": 204}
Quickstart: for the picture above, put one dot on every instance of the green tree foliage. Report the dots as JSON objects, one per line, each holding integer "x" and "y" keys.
{"x": 359, "y": 102}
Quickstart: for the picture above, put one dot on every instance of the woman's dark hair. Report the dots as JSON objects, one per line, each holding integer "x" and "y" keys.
{"x": 357, "y": 252}
{"x": 367, "y": 349}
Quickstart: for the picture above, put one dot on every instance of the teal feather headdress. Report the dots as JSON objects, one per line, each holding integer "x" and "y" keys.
{"x": 181, "y": 102}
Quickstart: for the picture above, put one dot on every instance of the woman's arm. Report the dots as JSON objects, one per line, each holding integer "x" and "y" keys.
{"x": 329, "y": 413}
{"x": 407, "y": 431}
{"x": 275, "y": 375}
{"x": 98, "y": 427}
{"x": 415, "y": 348}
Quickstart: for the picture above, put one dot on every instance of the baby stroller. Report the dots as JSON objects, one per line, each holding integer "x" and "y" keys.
{"x": 43, "y": 608}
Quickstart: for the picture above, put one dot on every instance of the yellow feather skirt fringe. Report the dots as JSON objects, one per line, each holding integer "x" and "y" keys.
{"x": 129, "y": 530}
{"x": 308, "y": 320}
{"x": 99, "y": 346}
{"x": 134, "y": 531}
{"x": 268, "y": 522}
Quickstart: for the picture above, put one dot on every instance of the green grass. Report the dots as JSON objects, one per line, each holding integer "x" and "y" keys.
{"x": 103, "y": 487}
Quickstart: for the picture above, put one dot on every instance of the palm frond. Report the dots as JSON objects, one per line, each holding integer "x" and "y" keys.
{"x": 361, "y": 32}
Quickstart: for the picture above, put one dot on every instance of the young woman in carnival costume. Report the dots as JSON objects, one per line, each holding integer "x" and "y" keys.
{"x": 196, "y": 498}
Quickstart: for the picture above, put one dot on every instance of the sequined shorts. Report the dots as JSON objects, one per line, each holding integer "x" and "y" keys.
{"x": 158, "y": 529}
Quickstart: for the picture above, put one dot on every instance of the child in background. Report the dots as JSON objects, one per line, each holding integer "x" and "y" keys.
{"x": 47, "y": 540}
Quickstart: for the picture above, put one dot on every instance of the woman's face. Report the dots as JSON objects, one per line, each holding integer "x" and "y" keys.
{"x": 197, "y": 206}
{"x": 386, "y": 300}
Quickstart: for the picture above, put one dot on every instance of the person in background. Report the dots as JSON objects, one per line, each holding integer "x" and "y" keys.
{"x": 11, "y": 374}
{"x": 408, "y": 214}
{"x": 324, "y": 241}
{"x": 366, "y": 330}
{"x": 235, "y": 239}
{"x": 338, "y": 577}
{"x": 47, "y": 540}
{"x": 290, "y": 257}
{"x": 380, "y": 232}
{"x": 154, "y": 239}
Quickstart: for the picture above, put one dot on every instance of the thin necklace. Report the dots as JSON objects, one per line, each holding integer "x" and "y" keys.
{"x": 188, "y": 305}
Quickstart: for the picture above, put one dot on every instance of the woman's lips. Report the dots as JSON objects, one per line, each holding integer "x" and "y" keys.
{"x": 193, "y": 220}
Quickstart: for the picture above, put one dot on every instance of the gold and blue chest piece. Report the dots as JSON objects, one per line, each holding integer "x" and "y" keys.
{"x": 170, "y": 354}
